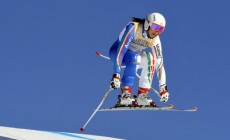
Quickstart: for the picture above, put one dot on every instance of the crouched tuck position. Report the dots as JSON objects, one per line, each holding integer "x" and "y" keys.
{"x": 131, "y": 50}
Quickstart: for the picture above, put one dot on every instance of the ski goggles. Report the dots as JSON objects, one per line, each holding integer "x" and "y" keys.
{"x": 157, "y": 28}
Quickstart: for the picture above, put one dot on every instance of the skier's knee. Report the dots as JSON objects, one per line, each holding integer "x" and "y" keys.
{"x": 135, "y": 60}
{"x": 128, "y": 81}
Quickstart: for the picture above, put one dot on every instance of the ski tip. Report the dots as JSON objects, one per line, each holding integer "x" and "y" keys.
{"x": 98, "y": 53}
{"x": 194, "y": 108}
{"x": 82, "y": 129}
{"x": 171, "y": 106}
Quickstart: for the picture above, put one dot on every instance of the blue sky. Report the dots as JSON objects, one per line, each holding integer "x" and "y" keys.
{"x": 51, "y": 79}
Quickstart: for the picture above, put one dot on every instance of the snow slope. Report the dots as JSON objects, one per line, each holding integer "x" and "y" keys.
{"x": 9, "y": 133}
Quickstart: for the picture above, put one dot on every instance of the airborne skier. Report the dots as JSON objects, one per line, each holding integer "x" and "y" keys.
{"x": 129, "y": 50}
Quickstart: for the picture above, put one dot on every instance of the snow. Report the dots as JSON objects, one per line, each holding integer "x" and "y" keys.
{"x": 9, "y": 133}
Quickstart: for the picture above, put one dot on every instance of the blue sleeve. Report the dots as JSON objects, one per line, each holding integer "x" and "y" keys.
{"x": 127, "y": 36}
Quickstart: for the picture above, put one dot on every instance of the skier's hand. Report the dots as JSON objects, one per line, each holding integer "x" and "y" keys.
{"x": 115, "y": 82}
{"x": 164, "y": 94}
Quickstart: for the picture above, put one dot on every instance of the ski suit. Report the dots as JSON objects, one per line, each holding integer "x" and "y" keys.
{"x": 129, "y": 50}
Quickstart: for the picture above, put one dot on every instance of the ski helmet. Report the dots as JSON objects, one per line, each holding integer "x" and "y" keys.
{"x": 154, "y": 18}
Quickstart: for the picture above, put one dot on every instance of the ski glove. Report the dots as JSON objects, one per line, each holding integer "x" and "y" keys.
{"x": 164, "y": 95}
{"x": 115, "y": 82}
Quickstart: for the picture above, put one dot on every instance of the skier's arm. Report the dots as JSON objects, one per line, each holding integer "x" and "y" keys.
{"x": 159, "y": 66}
{"x": 126, "y": 36}
{"x": 160, "y": 70}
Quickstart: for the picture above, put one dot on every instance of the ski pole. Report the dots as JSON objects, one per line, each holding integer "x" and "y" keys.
{"x": 99, "y": 54}
{"x": 106, "y": 57}
{"x": 155, "y": 91}
{"x": 103, "y": 99}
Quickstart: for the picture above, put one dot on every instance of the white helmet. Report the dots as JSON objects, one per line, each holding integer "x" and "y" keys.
{"x": 156, "y": 18}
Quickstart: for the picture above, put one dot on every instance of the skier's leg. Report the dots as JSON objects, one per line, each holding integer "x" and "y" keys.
{"x": 147, "y": 65}
{"x": 145, "y": 82}
{"x": 131, "y": 59}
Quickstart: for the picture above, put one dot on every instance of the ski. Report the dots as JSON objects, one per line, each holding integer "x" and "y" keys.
{"x": 186, "y": 110}
{"x": 142, "y": 108}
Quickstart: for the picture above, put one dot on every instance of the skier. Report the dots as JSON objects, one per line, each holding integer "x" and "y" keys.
{"x": 129, "y": 50}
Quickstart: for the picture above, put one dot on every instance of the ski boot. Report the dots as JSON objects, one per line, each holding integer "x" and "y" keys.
{"x": 126, "y": 98}
{"x": 144, "y": 99}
